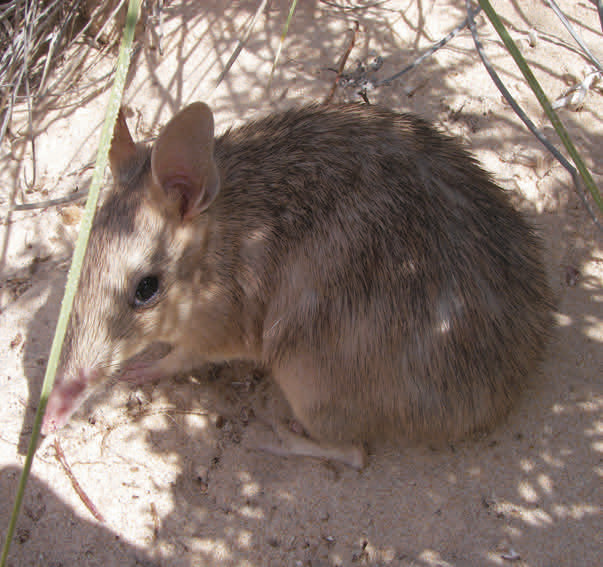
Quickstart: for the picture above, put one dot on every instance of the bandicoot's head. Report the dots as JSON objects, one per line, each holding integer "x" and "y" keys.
{"x": 137, "y": 281}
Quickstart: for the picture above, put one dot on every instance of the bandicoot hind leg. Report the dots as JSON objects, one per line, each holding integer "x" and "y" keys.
{"x": 325, "y": 420}
{"x": 295, "y": 444}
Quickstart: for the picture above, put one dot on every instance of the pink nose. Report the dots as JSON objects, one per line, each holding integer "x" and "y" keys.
{"x": 65, "y": 398}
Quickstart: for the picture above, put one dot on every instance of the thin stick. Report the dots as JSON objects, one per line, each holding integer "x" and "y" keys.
{"x": 51, "y": 202}
{"x": 343, "y": 61}
{"x": 108, "y": 20}
{"x": 282, "y": 40}
{"x": 30, "y": 130}
{"x": 60, "y": 455}
{"x": 574, "y": 34}
{"x": 432, "y": 49}
{"x": 240, "y": 44}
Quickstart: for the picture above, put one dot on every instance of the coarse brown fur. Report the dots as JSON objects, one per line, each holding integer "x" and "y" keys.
{"x": 362, "y": 256}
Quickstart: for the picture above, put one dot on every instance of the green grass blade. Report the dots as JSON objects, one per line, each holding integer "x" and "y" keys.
{"x": 76, "y": 263}
{"x": 240, "y": 44}
{"x": 543, "y": 100}
{"x": 282, "y": 40}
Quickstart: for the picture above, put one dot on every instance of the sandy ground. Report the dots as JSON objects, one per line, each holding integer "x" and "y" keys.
{"x": 170, "y": 467}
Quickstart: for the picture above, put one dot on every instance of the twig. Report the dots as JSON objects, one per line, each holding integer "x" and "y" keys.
{"x": 342, "y": 62}
{"x": 108, "y": 20}
{"x": 240, "y": 44}
{"x": 282, "y": 40}
{"x": 155, "y": 518}
{"x": 353, "y": 8}
{"x": 432, "y": 49}
{"x": 29, "y": 115}
{"x": 94, "y": 16}
{"x": 524, "y": 118}
{"x": 51, "y": 202}
{"x": 574, "y": 34}
{"x": 74, "y": 482}
{"x": 55, "y": 41}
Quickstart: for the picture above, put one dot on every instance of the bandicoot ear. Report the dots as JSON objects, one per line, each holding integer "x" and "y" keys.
{"x": 123, "y": 149}
{"x": 182, "y": 161}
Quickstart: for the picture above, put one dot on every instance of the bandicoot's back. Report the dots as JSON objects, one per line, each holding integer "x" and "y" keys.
{"x": 406, "y": 295}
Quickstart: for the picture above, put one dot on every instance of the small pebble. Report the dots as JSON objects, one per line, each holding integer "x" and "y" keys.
{"x": 16, "y": 340}
{"x": 71, "y": 214}
{"x": 511, "y": 555}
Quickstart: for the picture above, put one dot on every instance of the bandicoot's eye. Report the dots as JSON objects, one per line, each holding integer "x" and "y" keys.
{"x": 146, "y": 291}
